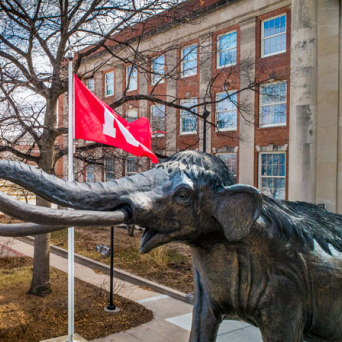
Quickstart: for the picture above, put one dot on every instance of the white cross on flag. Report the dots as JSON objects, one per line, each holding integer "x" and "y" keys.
{"x": 96, "y": 121}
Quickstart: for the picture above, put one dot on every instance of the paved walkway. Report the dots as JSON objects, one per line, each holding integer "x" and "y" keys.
{"x": 172, "y": 318}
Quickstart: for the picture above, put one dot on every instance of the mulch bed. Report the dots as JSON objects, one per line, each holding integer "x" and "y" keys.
{"x": 26, "y": 317}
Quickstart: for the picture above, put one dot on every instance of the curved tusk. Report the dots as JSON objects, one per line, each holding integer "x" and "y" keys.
{"x": 25, "y": 229}
{"x": 61, "y": 217}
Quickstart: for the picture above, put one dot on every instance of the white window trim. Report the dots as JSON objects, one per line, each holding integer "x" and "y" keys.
{"x": 260, "y": 107}
{"x": 105, "y": 172}
{"x": 105, "y": 85}
{"x": 225, "y": 129}
{"x": 127, "y": 75}
{"x": 278, "y": 34}
{"x": 158, "y": 135}
{"x": 218, "y": 51}
{"x": 161, "y": 81}
{"x": 89, "y": 79}
{"x": 131, "y": 173}
{"x": 181, "y": 122}
{"x": 230, "y": 153}
{"x": 182, "y": 61}
{"x": 259, "y": 169}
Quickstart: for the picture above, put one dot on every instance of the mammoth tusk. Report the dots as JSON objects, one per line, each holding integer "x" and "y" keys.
{"x": 25, "y": 229}
{"x": 61, "y": 217}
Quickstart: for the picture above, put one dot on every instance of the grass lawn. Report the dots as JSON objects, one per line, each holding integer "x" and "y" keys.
{"x": 27, "y": 318}
{"x": 169, "y": 265}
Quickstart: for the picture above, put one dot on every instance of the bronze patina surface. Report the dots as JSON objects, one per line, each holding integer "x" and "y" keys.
{"x": 274, "y": 264}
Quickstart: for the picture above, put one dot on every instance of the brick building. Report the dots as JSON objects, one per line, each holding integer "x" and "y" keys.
{"x": 285, "y": 138}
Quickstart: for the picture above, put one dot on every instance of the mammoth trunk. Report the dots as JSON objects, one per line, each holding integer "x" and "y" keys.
{"x": 102, "y": 196}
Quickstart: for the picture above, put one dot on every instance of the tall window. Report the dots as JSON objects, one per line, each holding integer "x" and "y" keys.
{"x": 158, "y": 119}
{"x": 226, "y": 111}
{"x": 158, "y": 69}
{"x": 189, "y": 61}
{"x": 273, "y": 32}
{"x": 131, "y": 166}
{"x": 272, "y": 168}
{"x": 273, "y": 104}
{"x": 132, "y": 114}
{"x": 226, "y": 49}
{"x": 188, "y": 121}
{"x": 131, "y": 78}
{"x": 109, "y": 84}
{"x": 230, "y": 160}
{"x": 108, "y": 169}
{"x": 91, "y": 85}
{"x": 90, "y": 174}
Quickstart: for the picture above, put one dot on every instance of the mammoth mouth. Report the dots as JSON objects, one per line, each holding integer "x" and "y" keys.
{"x": 152, "y": 239}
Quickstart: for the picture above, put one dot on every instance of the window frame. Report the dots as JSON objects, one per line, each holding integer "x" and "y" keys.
{"x": 217, "y": 129}
{"x": 155, "y": 72}
{"x": 128, "y": 80}
{"x": 182, "y": 60}
{"x": 158, "y": 135}
{"x": 93, "y": 172}
{"x": 88, "y": 80}
{"x": 105, "y": 83}
{"x": 218, "y": 66}
{"x": 136, "y": 164}
{"x": 263, "y": 36}
{"x": 260, "y": 107}
{"x": 279, "y": 177}
{"x": 105, "y": 169}
{"x": 218, "y": 154}
{"x": 188, "y": 114}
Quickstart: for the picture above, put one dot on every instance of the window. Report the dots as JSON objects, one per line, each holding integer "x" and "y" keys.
{"x": 230, "y": 160}
{"x": 108, "y": 169}
{"x": 273, "y": 36}
{"x": 189, "y": 61}
{"x": 158, "y": 69}
{"x": 131, "y": 78}
{"x": 91, "y": 85}
{"x": 226, "y": 49}
{"x": 226, "y": 111}
{"x": 158, "y": 119}
{"x": 131, "y": 166}
{"x": 272, "y": 174}
{"x": 131, "y": 114}
{"x": 90, "y": 174}
{"x": 273, "y": 104}
{"x": 109, "y": 84}
{"x": 188, "y": 121}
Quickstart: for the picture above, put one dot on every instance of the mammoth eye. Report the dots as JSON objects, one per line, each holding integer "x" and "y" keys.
{"x": 183, "y": 195}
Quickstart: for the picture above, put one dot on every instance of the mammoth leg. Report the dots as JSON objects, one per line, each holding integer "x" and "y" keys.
{"x": 206, "y": 319}
{"x": 286, "y": 326}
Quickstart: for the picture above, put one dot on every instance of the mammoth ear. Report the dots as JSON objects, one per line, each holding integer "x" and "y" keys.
{"x": 237, "y": 209}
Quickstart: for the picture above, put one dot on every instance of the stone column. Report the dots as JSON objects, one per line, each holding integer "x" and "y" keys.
{"x": 303, "y": 103}
{"x": 339, "y": 136}
{"x": 171, "y": 113}
{"x": 247, "y": 99}
{"x": 142, "y": 87}
{"x": 328, "y": 20}
{"x": 118, "y": 85}
{"x": 205, "y": 51}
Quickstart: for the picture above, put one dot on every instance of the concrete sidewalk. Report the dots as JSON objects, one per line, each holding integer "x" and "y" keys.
{"x": 172, "y": 318}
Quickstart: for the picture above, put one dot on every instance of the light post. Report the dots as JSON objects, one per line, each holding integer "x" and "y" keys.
{"x": 206, "y": 113}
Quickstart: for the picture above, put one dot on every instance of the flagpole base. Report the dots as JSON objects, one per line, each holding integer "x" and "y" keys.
{"x": 112, "y": 309}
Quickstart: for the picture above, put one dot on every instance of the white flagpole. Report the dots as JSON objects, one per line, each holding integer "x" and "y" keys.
{"x": 70, "y": 57}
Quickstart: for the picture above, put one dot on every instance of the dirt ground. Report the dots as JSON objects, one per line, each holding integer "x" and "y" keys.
{"x": 27, "y": 318}
{"x": 169, "y": 265}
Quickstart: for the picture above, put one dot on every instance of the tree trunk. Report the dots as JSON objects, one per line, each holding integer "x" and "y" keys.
{"x": 40, "y": 284}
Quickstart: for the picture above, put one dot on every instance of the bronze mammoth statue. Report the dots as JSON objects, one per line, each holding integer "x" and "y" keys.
{"x": 274, "y": 264}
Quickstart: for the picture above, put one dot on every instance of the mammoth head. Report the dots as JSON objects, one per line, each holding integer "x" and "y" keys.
{"x": 184, "y": 199}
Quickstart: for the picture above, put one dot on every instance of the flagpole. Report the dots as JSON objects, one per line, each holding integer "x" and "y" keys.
{"x": 70, "y": 57}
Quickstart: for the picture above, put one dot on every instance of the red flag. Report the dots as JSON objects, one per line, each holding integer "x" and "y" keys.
{"x": 96, "y": 121}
